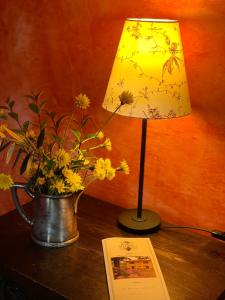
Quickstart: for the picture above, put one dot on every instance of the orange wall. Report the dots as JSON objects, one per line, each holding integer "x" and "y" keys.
{"x": 65, "y": 47}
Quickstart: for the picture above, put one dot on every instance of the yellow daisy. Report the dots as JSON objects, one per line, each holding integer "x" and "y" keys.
{"x": 62, "y": 158}
{"x": 82, "y": 101}
{"x": 103, "y": 169}
{"x": 107, "y": 144}
{"x": 5, "y": 181}
{"x": 59, "y": 186}
{"x": 110, "y": 173}
{"x": 45, "y": 171}
{"x": 126, "y": 98}
{"x": 40, "y": 181}
{"x": 74, "y": 180}
{"x": 99, "y": 171}
{"x": 100, "y": 135}
{"x": 124, "y": 167}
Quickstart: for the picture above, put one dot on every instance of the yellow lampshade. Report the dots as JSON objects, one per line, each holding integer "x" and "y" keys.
{"x": 149, "y": 64}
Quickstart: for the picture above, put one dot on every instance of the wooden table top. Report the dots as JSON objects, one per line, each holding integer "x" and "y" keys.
{"x": 193, "y": 265}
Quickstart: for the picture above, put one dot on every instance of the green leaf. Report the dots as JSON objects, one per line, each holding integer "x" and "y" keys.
{"x": 90, "y": 136}
{"x": 33, "y": 96}
{"x": 43, "y": 124}
{"x": 34, "y": 108}
{"x": 77, "y": 163}
{"x": 20, "y": 151}
{"x": 50, "y": 114}
{"x": 84, "y": 120}
{"x": 31, "y": 182}
{"x": 4, "y": 145}
{"x": 36, "y": 96}
{"x": 59, "y": 121}
{"x": 41, "y": 138}
{"x": 76, "y": 133}
{"x": 24, "y": 163}
{"x": 26, "y": 125}
{"x": 50, "y": 164}
{"x": 11, "y": 103}
{"x": 57, "y": 139}
{"x": 14, "y": 115}
{"x": 10, "y": 152}
{"x": 30, "y": 97}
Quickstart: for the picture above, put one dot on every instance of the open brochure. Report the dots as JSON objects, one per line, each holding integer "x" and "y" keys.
{"x": 132, "y": 270}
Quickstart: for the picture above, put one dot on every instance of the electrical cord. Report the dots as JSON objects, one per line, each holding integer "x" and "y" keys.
{"x": 214, "y": 233}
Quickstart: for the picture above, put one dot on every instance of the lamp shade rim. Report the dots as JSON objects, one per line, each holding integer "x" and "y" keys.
{"x": 185, "y": 114}
{"x": 152, "y": 20}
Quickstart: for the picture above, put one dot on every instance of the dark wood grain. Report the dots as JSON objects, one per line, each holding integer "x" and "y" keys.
{"x": 193, "y": 265}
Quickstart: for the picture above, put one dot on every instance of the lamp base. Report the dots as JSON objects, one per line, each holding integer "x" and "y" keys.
{"x": 149, "y": 222}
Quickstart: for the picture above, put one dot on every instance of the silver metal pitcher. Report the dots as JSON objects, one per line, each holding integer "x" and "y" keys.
{"x": 55, "y": 219}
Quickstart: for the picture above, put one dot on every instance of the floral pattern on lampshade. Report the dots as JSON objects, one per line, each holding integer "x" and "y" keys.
{"x": 149, "y": 63}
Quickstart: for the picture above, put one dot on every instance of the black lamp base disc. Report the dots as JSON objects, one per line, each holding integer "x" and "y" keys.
{"x": 149, "y": 222}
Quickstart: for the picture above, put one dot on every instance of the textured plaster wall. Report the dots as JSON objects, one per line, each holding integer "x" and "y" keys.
{"x": 64, "y": 47}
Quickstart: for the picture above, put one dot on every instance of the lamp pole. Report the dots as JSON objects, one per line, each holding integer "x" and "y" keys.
{"x": 140, "y": 221}
{"x": 142, "y": 168}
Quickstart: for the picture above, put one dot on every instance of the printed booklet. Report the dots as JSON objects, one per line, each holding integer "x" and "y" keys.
{"x": 132, "y": 270}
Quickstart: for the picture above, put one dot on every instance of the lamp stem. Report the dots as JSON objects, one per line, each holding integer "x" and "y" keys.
{"x": 142, "y": 166}
{"x": 140, "y": 221}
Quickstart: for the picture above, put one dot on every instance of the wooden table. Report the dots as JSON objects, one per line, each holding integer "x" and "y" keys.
{"x": 193, "y": 265}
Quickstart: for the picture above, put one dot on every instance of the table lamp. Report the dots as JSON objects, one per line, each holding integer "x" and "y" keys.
{"x": 149, "y": 64}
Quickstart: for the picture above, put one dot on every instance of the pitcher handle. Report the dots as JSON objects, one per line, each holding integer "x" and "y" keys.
{"x": 17, "y": 202}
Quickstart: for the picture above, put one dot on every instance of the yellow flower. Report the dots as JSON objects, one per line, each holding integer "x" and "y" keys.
{"x": 82, "y": 157}
{"x": 124, "y": 167}
{"x": 86, "y": 162}
{"x": 103, "y": 169}
{"x": 107, "y": 144}
{"x": 126, "y": 98}
{"x": 45, "y": 171}
{"x": 40, "y": 181}
{"x": 62, "y": 158}
{"x": 5, "y": 181}
{"x": 59, "y": 186}
{"x": 110, "y": 173}
{"x": 107, "y": 163}
{"x": 74, "y": 180}
{"x": 99, "y": 171}
{"x": 100, "y": 135}
{"x": 49, "y": 174}
{"x": 66, "y": 172}
{"x": 82, "y": 101}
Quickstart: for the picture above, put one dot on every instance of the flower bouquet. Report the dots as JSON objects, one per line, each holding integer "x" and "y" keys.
{"x": 59, "y": 159}
{"x": 56, "y": 161}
